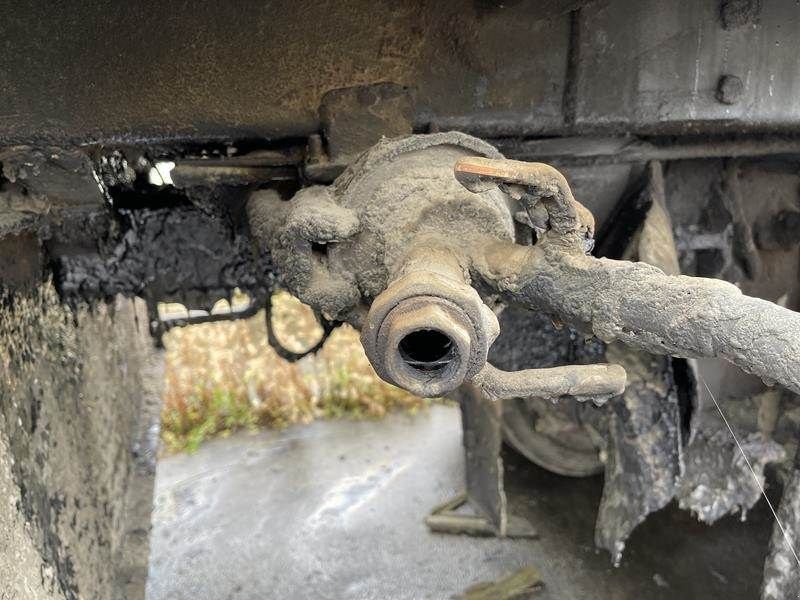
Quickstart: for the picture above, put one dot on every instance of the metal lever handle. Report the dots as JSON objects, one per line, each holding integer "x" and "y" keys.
{"x": 535, "y": 186}
{"x": 595, "y": 382}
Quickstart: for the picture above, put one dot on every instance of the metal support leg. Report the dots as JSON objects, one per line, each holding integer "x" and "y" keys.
{"x": 482, "y": 509}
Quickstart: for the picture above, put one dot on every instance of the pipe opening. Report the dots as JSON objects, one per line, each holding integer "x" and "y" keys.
{"x": 427, "y": 350}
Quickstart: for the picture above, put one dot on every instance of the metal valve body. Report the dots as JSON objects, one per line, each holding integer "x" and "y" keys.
{"x": 414, "y": 244}
{"x": 390, "y": 248}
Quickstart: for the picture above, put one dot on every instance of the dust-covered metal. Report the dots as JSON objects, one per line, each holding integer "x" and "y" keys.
{"x": 633, "y": 302}
{"x": 389, "y": 248}
{"x": 721, "y": 82}
{"x": 637, "y": 304}
{"x": 645, "y": 433}
{"x": 416, "y": 244}
{"x": 599, "y": 382}
{"x": 429, "y": 331}
{"x": 396, "y": 228}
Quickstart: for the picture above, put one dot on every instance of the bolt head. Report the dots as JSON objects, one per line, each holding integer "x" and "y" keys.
{"x": 729, "y": 89}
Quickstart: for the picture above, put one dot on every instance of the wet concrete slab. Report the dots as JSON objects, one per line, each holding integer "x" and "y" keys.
{"x": 335, "y": 510}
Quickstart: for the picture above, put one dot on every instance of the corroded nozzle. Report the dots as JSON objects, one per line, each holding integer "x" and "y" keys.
{"x": 424, "y": 345}
{"x": 429, "y": 331}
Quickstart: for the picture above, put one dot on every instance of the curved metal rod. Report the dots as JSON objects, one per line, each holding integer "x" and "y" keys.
{"x": 535, "y": 183}
{"x": 598, "y": 382}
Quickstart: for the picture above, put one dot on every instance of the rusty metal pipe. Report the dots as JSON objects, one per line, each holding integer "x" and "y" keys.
{"x": 639, "y": 305}
{"x": 430, "y": 331}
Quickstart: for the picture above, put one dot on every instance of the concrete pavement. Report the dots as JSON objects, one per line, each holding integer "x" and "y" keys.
{"x": 334, "y": 510}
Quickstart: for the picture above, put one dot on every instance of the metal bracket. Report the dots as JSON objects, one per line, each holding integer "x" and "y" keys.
{"x": 486, "y": 511}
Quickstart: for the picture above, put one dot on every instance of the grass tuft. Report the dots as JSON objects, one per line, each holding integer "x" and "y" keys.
{"x": 224, "y": 377}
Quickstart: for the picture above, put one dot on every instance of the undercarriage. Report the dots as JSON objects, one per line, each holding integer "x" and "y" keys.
{"x": 579, "y": 220}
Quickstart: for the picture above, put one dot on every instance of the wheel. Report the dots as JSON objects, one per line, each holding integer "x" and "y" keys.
{"x": 555, "y": 436}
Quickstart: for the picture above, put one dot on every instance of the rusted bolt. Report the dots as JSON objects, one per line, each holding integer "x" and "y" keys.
{"x": 729, "y": 89}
